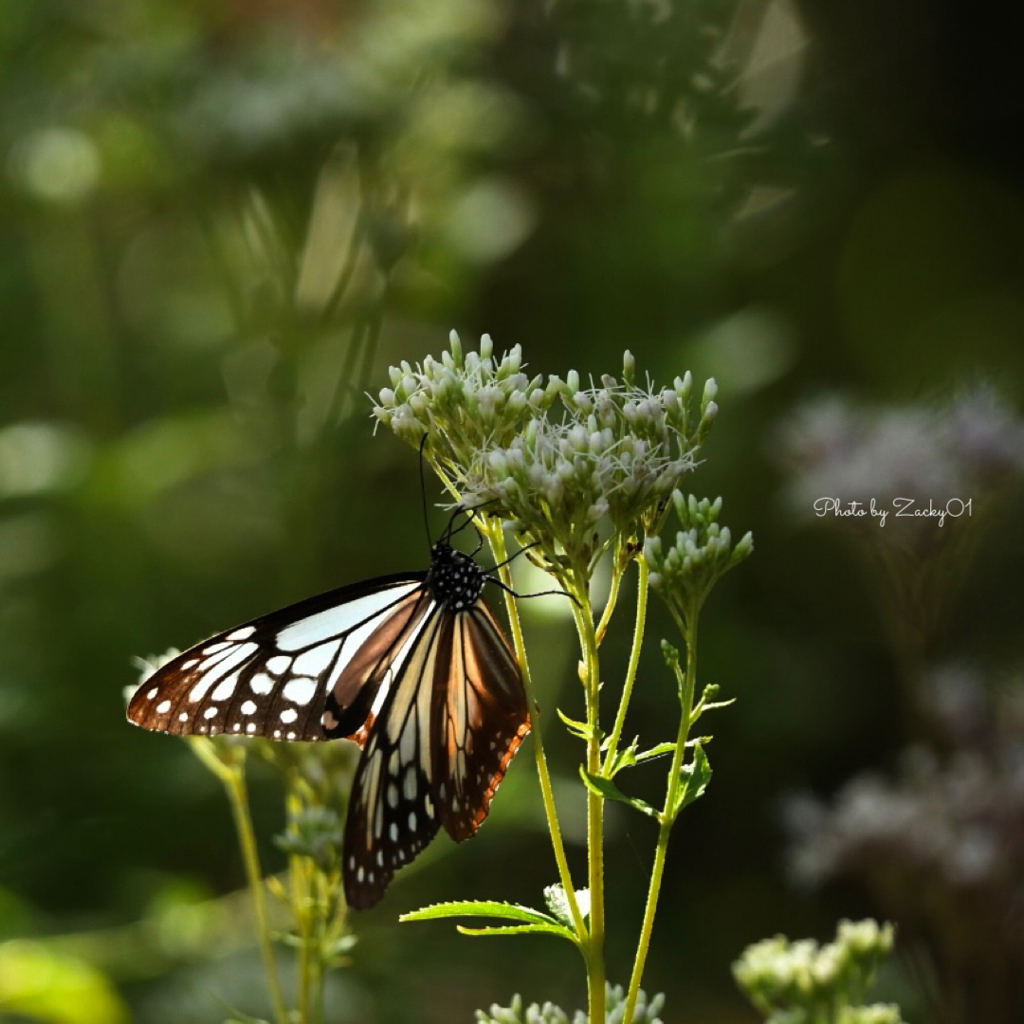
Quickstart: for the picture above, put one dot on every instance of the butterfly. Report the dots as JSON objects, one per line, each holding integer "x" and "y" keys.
{"x": 414, "y": 667}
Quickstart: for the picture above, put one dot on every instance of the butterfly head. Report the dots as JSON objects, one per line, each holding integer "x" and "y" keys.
{"x": 455, "y": 579}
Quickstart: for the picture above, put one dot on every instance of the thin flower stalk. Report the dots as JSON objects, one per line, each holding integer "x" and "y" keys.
{"x": 666, "y": 821}
{"x": 496, "y": 539}
{"x": 583, "y": 614}
{"x": 232, "y": 775}
{"x": 639, "y": 629}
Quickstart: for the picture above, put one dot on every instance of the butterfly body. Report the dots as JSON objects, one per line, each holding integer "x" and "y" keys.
{"x": 413, "y": 667}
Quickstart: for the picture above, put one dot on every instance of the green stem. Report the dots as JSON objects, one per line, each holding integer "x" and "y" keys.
{"x": 666, "y": 817}
{"x": 497, "y": 541}
{"x": 303, "y": 903}
{"x": 233, "y": 777}
{"x": 634, "y": 662}
{"x": 618, "y": 571}
{"x": 595, "y": 804}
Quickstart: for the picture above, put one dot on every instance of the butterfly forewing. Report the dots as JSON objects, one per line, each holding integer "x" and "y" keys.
{"x": 481, "y": 718}
{"x": 307, "y": 672}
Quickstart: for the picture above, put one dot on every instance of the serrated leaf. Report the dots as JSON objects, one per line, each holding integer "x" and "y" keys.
{"x": 522, "y": 929}
{"x": 696, "y": 775}
{"x": 479, "y": 908}
{"x": 580, "y": 729}
{"x": 606, "y": 788}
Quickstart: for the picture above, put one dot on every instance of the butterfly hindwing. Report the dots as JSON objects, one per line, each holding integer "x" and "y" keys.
{"x": 481, "y": 718}
{"x": 311, "y": 671}
{"x": 392, "y": 815}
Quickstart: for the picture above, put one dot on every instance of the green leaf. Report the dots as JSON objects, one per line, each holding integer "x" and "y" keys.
{"x": 715, "y": 705}
{"x": 522, "y": 929}
{"x": 606, "y": 788}
{"x": 659, "y": 751}
{"x": 668, "y": 748}
{"x": 580, "y": 729}
{"x": 479, "y": 908}
{"x": 707, "y": 701}
{"x": 696, "y": 775}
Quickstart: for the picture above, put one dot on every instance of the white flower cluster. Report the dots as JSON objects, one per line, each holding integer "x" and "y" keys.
{"x": 614, "y": 451}
{"x": 795, "y": 980}
{"x": 686, "y": 571}
{"x": 615, "y": 1009}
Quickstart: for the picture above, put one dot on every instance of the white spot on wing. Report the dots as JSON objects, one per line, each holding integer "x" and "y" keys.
{"x": 299, "y": 691}
{"x": 261, "y": 683}
{"x": 289, "y": 715}
{"x": 241, "y": 634}
{"x": 225, "y": 687}
{"x": 210, "y": 712}
{"x": 248, "y": 707}
{"x": 163, "y": 707}
{"x": 278, "y": 664}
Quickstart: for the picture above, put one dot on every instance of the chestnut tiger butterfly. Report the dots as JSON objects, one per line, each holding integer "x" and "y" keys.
{"x": 414, "y": 667}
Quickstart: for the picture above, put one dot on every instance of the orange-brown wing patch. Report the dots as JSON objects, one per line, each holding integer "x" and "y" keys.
{"x": 481, "y": 718}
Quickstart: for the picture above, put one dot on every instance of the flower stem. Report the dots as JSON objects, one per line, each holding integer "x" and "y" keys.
{"x": 302, "y": 904}
{"x": 634, "y": 662}
{"x": 233, "y": 778}
{"x": 666, "y": 818}
{"x": 595, "y": 804}
{"x": 618, "y": 571}
{"x": 497, "y": 541}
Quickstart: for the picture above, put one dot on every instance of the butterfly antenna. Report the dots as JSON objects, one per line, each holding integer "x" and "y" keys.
{"x": 525, "y": 547}
{"x": 423, "y": 494}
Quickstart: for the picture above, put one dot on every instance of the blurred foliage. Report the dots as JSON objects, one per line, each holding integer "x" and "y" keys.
{"x": 222, "y": 221}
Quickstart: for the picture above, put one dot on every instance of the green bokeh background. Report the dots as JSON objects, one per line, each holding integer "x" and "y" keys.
{"x": 791, "y": 197}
